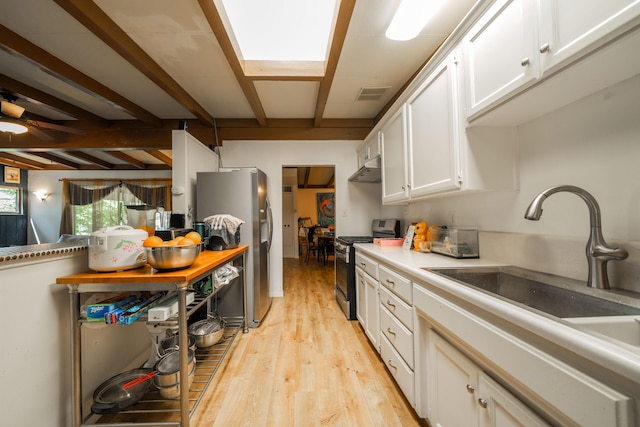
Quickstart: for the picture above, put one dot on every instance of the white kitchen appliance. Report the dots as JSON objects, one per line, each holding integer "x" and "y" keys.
{"x": 117, "y": 248}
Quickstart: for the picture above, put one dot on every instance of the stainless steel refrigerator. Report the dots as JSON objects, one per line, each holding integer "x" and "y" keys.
{"x": 242, "y": 192}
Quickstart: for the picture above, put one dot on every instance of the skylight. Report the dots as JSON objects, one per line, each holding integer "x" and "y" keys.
{"x": 282, "y": 36}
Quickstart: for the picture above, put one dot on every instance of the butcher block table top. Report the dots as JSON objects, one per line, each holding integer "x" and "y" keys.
{"x": 205, "y": 262}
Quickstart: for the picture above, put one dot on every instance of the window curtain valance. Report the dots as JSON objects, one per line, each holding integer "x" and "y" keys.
{"x": 153, "y": 192}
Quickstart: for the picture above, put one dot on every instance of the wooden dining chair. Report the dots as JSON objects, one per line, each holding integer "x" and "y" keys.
{"x": 313, "y": 243}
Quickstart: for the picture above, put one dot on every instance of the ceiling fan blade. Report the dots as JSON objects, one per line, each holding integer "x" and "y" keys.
{"x": 53, "y": 126}
{"x": 39, "y": 134}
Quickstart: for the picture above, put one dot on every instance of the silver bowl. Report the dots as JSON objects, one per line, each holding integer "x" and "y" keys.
{"x": 207, "y": 332}
{"x": 172, "y": 257}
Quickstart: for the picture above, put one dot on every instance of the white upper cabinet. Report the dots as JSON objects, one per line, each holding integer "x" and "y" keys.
{"x": 569, "y": 26}
{"x": 370, "y": 149}
{"x": 517, "y": 42}
{"x": 434, "y": 133}
{"x": 500, "y": 53}
{"x": 393, "y": 137}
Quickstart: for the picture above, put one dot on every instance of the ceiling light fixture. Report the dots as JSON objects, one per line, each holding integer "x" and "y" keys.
{"x": 12, "y": 128}
{"x": 411, "y": 17}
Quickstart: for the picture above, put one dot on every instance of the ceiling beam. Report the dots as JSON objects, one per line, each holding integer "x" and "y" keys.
{"x": 100, "y": 24}
{"x": 72, "y": 76}
{"x": 127, "y": 158}
{"x": 14, "y": 160}
{"x": 339, "y": 35}
{"x": 27, "y": 91}
{"x": 54, "y": 158}
{"x": 161, "y": 156}
{"x": 215, "y": 22}
{"x": 92, "y": 159}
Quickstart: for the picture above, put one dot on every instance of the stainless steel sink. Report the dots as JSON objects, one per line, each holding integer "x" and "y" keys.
{"x": 558, "y": 296}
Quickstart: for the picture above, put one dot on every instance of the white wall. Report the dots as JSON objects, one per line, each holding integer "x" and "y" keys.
{"x": 356, "y": 203}
{"x": 594, "y": 144}
{"x": 189, "y": 156}
{"x": 46, "y": 215}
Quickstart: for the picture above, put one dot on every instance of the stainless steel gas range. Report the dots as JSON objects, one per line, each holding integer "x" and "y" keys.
{"x": 345, "y": 268}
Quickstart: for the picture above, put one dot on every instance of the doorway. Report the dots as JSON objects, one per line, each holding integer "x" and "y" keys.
{"x": 307, "y": 192}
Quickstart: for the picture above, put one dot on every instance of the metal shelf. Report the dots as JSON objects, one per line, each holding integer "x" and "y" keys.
{"x": 166, "y": 412}
{"x": 153, "y": 409}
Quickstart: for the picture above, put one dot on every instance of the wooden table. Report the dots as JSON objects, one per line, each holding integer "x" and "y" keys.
{"x": 145, "y": 278}
{"x": 324, "y": 242}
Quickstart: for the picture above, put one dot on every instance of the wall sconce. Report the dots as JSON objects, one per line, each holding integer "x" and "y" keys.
{"x": 42, "y": 194}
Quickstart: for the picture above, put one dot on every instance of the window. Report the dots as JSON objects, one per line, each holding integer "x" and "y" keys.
{"x": 106, "y": 212}
{"x": 92, "y": 204}
{"x": 10, "y": 200}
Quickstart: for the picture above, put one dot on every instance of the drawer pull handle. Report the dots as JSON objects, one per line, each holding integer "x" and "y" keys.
{"x": 482, "y": 403}
{"x": 363, "y": 264}
{"x": 525, "y": 62}
{"x": 391, "y": 331}
{"x": 544, "y": 48}
{"x": 470, "y": 388}
{"x": 392, "y": 365}
{"x": 389, "y": 303}
{"x": 391, "y": 282}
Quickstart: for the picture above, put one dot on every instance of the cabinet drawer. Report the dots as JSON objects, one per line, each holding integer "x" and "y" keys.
{"x": 400, "y": 309}
{"x": 397, "y": 284}
{"x": 367, "y": 264}
{"x": 403, "y": 375}
{"x": 400, "y": 337}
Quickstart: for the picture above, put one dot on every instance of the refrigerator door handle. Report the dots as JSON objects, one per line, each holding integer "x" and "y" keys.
{"x": 270, "y": 222}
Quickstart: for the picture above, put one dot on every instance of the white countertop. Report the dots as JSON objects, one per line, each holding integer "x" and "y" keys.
{"x": 603, "y": 354}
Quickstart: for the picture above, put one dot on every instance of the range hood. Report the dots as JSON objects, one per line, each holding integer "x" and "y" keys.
{"x": 369, "y": 172}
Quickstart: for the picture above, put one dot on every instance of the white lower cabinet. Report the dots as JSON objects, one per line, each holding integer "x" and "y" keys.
{"x": 367, "y": 298}
{"x": 454, "y": 389}
{"x": 396, "y": 328}
{"x": 461, "y": 394}
{"x": 402, "y": 374}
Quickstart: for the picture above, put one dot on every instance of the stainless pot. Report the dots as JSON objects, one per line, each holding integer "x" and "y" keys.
{"x": 173, "y": 391}
{"x": 207, "y": 332}
{"x": 173, "y": 342}
{"x": 167, "y": 368}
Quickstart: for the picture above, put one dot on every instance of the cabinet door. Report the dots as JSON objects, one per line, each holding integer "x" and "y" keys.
{"x": 361, "y": 298}
{"x": 373, "y": 311}
{"x": 569, "y": 26}
{"x": 499, "y": 408}
{"x": 433, "y": 137}
{"x": 452, "y": 385}
{"x": 394, "y": 149}
{"x": 500, "y": 54}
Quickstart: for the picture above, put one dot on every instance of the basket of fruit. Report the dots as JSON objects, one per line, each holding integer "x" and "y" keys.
{"x": 174, "y": 254}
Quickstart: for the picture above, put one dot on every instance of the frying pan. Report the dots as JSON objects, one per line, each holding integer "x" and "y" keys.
{"x": 111, "y": 396}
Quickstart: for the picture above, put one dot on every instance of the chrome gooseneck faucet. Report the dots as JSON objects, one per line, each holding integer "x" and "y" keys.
{"x": 598, "y": 253}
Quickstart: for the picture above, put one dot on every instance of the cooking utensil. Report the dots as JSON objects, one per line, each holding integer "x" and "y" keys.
{"x": 142, "y": 217}
{"x": 117, "y": 248}
{"x": 166, "y": 371}
{"x": 173, "y": 342}
{"x": 207, "y": 332}
{"x": 111, "y": 396}
{"x": 172, "y": 257}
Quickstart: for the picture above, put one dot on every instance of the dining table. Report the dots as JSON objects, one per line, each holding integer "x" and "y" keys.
{"x": 325, "y": 241}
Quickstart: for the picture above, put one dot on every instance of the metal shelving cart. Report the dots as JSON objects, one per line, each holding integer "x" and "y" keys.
{"x": 228, "y": 301}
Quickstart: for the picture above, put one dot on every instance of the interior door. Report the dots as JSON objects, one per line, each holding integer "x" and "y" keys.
{"x": 289, "y": 229}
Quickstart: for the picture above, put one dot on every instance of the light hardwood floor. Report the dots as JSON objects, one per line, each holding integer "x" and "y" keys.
{"x": 306, "y": 365}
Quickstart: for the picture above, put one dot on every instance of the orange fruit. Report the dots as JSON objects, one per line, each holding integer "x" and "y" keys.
{"x": 152, "y": 241}
{"x": 186, "y": 242}
{"x": 173, "y": 242}
{"x": 194, "y": 236}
